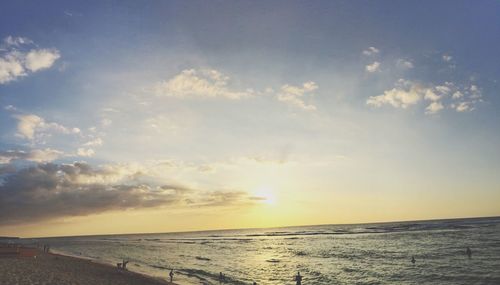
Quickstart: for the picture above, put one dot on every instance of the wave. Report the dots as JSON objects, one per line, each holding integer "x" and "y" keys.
{"x": 202, "y": 258}
{"x": 205, "y": 276}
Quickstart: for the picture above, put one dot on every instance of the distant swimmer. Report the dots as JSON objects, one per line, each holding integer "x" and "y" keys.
{"x": 298, "y": 279}
{"x": 468, "y": 252}
{"x": 413, "y": 259}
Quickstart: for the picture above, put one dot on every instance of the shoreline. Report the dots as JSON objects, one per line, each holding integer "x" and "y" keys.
{"x": 112, "y": 267}
{"x": 57, "y": 268}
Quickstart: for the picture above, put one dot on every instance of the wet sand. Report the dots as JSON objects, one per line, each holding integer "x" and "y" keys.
{"x": 52, "y": 269}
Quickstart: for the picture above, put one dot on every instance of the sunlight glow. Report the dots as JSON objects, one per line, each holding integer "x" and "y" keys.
{"x": 266, "y": 192}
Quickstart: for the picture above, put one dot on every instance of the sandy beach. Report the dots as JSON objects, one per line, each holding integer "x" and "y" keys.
{"x": 52, "y": 269}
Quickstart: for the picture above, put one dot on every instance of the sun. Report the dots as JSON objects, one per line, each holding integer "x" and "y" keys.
{"x": 267, "y": 193}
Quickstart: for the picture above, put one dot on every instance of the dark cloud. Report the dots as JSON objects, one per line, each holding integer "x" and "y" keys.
{"x": 49, "y": 190}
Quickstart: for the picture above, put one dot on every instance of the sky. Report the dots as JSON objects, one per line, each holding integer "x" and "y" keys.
{"x": 159, "y": 116}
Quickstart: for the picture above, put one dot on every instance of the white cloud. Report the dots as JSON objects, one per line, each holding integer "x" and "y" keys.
{"x": 10, "y": 67}
{"x": 434, "y": 107}
{"x": 85, "y": 152}
{"x": 44, "y": 155}
{"x": 406, "y": 64}
{"x": 475, "y": 92}
{"x": 371, "y": 51}
{"x": 375, "y": 66}
{"x": 17, "y": 61}
{"x": 30, "y": 125}
{"x": 457, "y": 95}
{"x": 447, "y": 58}
{"x": 41, "y": 59}
{"x": 405, "y": 94}
{"x": 431, "y": 95}
{"x": 408, "y": 93}
{"x": 463, "y": 107}
{"x": 443, "y": 89}
{"x": 200, "y": 83}
{"x": 293, "y": 95}
{"x": 27, "y": 125}
{"x": 94, "y": 142}
{"x": 16, "y": 41}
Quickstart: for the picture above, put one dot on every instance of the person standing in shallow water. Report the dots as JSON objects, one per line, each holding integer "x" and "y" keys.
{"x": 171, "y": 274}
{"x": 298, "y": 279}
{"x": 413, "y": 259}
{"x": 468, "y": 252}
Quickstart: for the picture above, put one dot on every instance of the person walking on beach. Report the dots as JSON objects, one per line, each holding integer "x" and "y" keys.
{"x": 171, "y": 274}
{"x": 298, "y": 279}
{"x": 468, "y": 252}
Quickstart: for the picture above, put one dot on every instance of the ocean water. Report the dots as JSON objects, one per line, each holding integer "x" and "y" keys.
{"x": 326, "y": 254}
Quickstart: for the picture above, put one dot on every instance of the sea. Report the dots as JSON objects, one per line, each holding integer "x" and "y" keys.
{"x": 378, "y": 253}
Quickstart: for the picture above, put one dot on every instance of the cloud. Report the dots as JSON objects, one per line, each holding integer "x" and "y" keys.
{"x": 434, "y": 107}
{"x": 293, "y": 95}
{"x": 51, "y": 191}
{"x": 457, "y": 95}
{"x": 405, "y": 94}
{"x": 443, "y": 89}
{"x": 88, "y": 152}
{"x": 371, "y": 51}
{"x": 16, "y": 41}
{"x": 466, "y": 99}
{"x": 431, "y": 95}
{"x": 18, "y": 60}
{"x": 11, "y": 67}
{"x": 94, "y": 142}
{"x": 27, "y": 124}
{"x": 41, "y": 59}
{"x": 224, "y": 199}
{"x": 463, "y": 107}
{"x": 404, "y": 63}
{"x": 37, "y": 155}
{"x": 475, "y": 92}
{"x": 447, "y": 58}
{"x": 375, "y": 66}
{"x": 206, "y": 83}
{"x": 30, "y": 125}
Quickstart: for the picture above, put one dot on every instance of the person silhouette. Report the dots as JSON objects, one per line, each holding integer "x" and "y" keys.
{"x": 413, "y": 259}
{"x": 171, "y": 274}
{"x": 124, "y": 264}
{"x": 468, "y": 252}
{"x": 298, "y": 279}
{"x": 221, "y": 276}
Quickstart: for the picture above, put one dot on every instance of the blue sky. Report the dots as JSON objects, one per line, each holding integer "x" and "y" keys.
{"x": 387, "y": 109}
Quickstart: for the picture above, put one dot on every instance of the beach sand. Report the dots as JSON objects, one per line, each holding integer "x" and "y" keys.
{"x": 52, "y": 269}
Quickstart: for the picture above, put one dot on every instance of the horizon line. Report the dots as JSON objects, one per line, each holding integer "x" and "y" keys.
{"x": 278, "y": 227}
